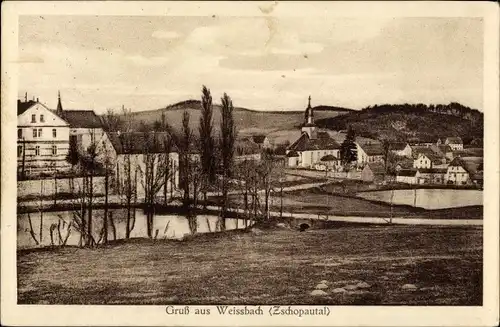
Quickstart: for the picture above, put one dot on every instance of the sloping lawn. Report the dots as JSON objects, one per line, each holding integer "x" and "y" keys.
{"x": 358, "y": 264}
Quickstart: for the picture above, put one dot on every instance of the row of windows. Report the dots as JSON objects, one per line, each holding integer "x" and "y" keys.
{"x": 37, "y": 150}
{"x": 33, "y": 118}
{"x": 37, "y": 132}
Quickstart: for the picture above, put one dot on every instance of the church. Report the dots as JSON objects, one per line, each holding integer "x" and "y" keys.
{"x": 313, "y": 146}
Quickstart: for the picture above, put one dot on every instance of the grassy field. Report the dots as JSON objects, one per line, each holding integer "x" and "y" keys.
{"x": 359, "y": 265}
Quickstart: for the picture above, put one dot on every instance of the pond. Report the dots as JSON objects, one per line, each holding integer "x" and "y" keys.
{"x": 168, "y": 226}
{"x": 428, "y": 198}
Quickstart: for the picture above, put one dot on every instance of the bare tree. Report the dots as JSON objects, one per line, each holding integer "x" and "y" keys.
{"x": 111, "y": 121}
{"x": 227, "y": 141}
{"x": 153, "y": 174}
{"x": 127, "y": 187}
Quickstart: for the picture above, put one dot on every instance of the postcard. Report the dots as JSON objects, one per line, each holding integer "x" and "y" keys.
{"x": 250, "y": 163}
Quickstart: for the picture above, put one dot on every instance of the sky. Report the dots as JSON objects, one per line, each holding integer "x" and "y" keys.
{"x": 262, "y": 62}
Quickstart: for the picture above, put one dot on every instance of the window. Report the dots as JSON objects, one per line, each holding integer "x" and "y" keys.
{"x": 54, "y": 150}
{"x": 54, "y": 132}
{"x": 19, "y": 150}
{"x": 37, "y": 150}
{"x": 19, "y": 133}
{"x": 39, "y": 132}
{"x": 33, "y": 118}
{"x": 34, "y": 133}
{"x": 42, "y": 119}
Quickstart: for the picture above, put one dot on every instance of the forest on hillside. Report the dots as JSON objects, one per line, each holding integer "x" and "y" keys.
{"x": 403, "y": 121}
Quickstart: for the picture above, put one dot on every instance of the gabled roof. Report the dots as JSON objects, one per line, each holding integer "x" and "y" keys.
{"x": 398, "y": 146}
{"x": 433, "y": 156}
{"x": 372, "y": 149}
{"x": 453, "y": 140}
{"x": 376, "y": 167}
{"x": 138, "y": 143}
{"x": 323, "y": 141}
{"x": 259, "y": 139}
{"x": 23, "y": 106}
{"x": 82, "y": 119}
{"x": 407, "y": 172}
{"x": 471, "y": 165}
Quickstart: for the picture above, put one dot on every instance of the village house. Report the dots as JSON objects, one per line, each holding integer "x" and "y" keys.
{"x": 369, "y": 152}
{"x": 262, "y": 141}
{"x": 373, "y": 172}
{"x": 312, "y": 145}
{"x": 407, "y": 176}
{"x": 430, "y": 176}
{"x": 443, "y": 151}
{"x": 425, "y": 157}
{"x": 401, "y": 149}
{"x": 134, "y": 147}
{"x": 422, "y": 141}
{"x": 42, "y": 139}
{"x": 85, "y": 129}
{"x": 462, "y": 171}
{"x": 455, "y": 143}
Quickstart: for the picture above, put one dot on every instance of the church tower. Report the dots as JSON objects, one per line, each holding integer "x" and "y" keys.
{"x": 59, "y": 110}
{"x": 309, "y": 126}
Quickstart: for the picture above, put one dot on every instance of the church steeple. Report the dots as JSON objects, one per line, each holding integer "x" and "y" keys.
{"x": 309, "y": 126}
{"x": 59, "y": 110}
{"x": 309, "y": 116}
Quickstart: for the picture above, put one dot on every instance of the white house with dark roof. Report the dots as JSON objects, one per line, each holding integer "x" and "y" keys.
{"x": 427, "y": 158}
{"x": 462, "y": 171}
{"x": 85, "y": 129}
{"x": 312, "y": 145}
{"x": 455, "y": 143}
{"x": 42, "y": 139}
{"x": 369, "y": 152}
{"x": 132, "y": 147}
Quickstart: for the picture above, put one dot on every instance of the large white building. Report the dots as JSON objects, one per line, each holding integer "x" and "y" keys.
{"x": 132, "y": 147}
{"x": 312, "y": 145}
{"x": 42, "y": 139}
{"x": 45, "y": 136}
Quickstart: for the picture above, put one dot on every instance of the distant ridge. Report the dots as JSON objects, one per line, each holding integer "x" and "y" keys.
{"x": 404, "y": 121}
{"x": 196, "y": 104}
{"x": 247, "y": 120}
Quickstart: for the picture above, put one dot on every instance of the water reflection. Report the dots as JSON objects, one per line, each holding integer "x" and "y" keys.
{"x": 428, "y": 198}
{"x": 56, "y": 226}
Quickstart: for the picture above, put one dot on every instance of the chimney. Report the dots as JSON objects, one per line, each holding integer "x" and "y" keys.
{"x": 26, "y": 97}
{"x": 37, "y": 100}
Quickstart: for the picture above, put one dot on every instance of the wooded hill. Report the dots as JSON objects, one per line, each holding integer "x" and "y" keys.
{"x": 244, "y": 118}
{"x": 401, "y": 122}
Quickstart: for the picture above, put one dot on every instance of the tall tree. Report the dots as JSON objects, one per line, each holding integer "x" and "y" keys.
{"x": 228, "y": 138}
{"x": 207, "y": 142}
{"x": 348, "y": 151}
{"x": 184, "y": 157}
